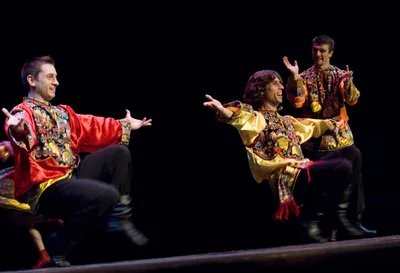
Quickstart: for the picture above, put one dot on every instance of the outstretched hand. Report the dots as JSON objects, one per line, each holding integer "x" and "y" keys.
{"x": 13, "y": 122}
{"x": 294, "y": 69}
{"x": 137, "y": 123}
{"x": 215, "y": 105}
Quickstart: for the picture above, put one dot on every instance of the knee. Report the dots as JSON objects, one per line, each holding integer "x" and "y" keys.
{"x": 354, "y": 153}
{"x": 121, "y": 152}
{"x": 113, "y": 197}
{"x": 345, "y": 168}
{"x": 108, "y": 198}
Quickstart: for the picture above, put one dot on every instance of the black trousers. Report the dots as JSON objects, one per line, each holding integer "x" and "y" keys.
{"x": 330, "y": 178}
{"x": 86, "y": 201}
{"x": 352, "y": 154}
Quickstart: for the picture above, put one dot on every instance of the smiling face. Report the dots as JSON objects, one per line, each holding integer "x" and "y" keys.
{"x": 264, "y": 90}
{"x": 273, "y": 94}
{"x": 321, "y": 55}
{"x": 45, "y": 83}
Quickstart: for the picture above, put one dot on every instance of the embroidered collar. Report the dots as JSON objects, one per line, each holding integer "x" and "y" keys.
{"x": 265, "y": 111}
{"x": 329, "y": 68}
{"x": 37, "y": 102}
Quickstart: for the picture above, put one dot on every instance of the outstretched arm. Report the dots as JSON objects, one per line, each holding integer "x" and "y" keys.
{"x": 249, "y": 123}
{"x": 312, "y": 128}
{"x": 216, "y": 106}
{"x": 95, "y": 132}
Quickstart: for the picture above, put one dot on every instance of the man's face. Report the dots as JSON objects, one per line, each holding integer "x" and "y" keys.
{"x": 45, "y": 83}
{"x": 274, "y": 92}
{"x": 321, "y": 55}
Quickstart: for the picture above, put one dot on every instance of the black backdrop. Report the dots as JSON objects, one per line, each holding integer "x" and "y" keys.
{"x": 192, "y": 186}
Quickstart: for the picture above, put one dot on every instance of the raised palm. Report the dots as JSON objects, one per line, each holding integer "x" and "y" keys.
{"x": 294, "y": 69}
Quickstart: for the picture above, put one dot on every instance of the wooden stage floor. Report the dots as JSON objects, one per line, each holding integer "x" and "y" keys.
{"x": 374, "y": 254}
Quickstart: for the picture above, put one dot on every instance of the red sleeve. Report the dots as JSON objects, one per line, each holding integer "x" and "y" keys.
{"x": 93, "y": 133}
{"x": 26, "y": 140}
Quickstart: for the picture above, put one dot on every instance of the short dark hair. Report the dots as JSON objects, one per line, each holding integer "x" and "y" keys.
{"x": 254, "y": 93}
{"x": 324, "y": 40}
{"x": 33, "y": 67}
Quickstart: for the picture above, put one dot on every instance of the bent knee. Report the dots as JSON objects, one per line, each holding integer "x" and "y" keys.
{"x": 345, "y": 167}
{"x": 113, "y": 197}
{"x": 109, "y": 196}
{"x": 121, "y": 151}
{"x": 353, "y": 152}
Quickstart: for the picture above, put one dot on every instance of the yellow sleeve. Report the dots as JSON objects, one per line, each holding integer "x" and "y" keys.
{"x": 9, "y": 203}
{"x": 308, "y": 128}
{"x": 248, "y": 122}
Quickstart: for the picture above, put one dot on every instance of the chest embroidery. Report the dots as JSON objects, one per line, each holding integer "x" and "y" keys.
{"x": 53, "y": 134}
{"x": 279, "y": 137}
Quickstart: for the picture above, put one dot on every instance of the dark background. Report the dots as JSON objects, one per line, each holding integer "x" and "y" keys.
{"x": 192, "y": 186}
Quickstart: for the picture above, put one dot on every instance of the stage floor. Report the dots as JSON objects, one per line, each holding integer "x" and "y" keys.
{"x": 366, "y": 254}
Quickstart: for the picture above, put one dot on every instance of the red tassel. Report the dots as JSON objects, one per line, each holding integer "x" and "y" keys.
{"x": 308, "y": 169}
{"x": 287, "y": 208}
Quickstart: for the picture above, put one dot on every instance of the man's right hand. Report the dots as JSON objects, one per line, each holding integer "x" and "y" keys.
{"x": 16, "y": 124}
{"x": 215, "y": 105}
{"x": 294, "y": 69}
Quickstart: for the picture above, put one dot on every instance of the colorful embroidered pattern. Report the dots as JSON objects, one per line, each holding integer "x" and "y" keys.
{"x": 53, "y": 134}
{"x": 278, "y": 138}
{"x": 325, "y": 101}
{"x": 323, "y": 88}
{"x": 126, "y": 132}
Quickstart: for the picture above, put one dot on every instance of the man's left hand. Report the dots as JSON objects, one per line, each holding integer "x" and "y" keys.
{"x": 137, "y": 123}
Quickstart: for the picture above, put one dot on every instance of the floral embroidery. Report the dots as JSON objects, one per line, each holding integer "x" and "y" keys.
{"x": 323, "y": 88}
{"x": 53, "y": 134}
{"x": 324, "y": 101}
{"x": 284, "y": 182}
{"x": 126, "y": 132}
{"x": 277, "y": 141}
{"x": 278, "y": 138}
